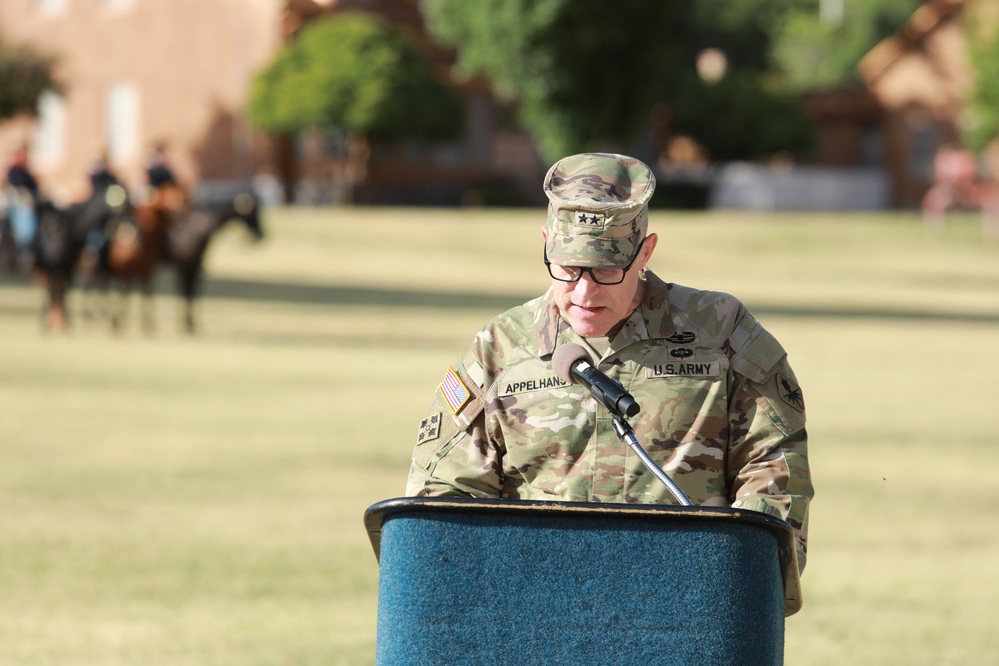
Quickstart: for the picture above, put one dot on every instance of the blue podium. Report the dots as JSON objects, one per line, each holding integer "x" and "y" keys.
{"x": 480, "y": 582}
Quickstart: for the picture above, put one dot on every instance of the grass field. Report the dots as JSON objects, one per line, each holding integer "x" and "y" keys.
{"x": 176, "y": 501}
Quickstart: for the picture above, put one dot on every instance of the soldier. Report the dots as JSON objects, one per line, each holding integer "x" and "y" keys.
{"x": 158, "y": 171}
{"x": 101, "y": 176}
{"x": 25, "y": 196}
{"x": 721, "y": 410}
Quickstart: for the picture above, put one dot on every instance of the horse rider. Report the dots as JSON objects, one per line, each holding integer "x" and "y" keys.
{"x": 24, "y": 196}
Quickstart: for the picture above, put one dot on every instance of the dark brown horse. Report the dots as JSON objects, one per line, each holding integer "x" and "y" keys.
{"x": 135, "y": 247}
{"x": 168, "y": 229}
{"x": 191, "y": 233}
{"x": 60, "y": 240}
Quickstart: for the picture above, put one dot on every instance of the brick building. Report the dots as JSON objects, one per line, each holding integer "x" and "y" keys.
{"x": 138, "y": 72}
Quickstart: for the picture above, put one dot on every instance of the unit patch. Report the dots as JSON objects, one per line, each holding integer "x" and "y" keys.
{"x": 430, "y": 428}
{"x": 455, "y": 393}
{"x": 791, "y": 393}
{"x": 529, "y": 385}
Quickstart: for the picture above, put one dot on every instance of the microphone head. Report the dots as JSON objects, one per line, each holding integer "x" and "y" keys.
{"x": 565, "y": 357}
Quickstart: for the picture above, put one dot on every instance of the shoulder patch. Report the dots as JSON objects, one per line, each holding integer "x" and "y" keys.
{"x": 459, "y": 394}
{"x": 757, "y": 358}
{"x": 430, "y": 428}
{"x": 789, "y": 391}
{"x": 454, "y": 391}
{"x": 784, "y": 401}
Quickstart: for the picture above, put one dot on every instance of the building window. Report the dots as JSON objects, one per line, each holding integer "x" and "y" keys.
{"x": 52, "y": 6}
{"x": 122, "y": 121}
{"x": 50, "y": 130}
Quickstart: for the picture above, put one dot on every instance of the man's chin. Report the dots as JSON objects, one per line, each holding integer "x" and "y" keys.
{"x": 589, "y": 327}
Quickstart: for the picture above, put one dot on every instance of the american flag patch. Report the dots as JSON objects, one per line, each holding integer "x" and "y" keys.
{"x": 455, "y": 393}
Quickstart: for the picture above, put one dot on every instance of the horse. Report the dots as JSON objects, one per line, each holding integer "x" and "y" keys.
{"x": 135, "y": 247}
{"x": 190, "y": 235}
{"x": 8, "y": 246}
{"x": 60, "y": 239}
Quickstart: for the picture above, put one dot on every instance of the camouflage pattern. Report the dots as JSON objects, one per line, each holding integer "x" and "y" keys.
{"x": 597, "y": 209}
{"x": 722, "y": 412}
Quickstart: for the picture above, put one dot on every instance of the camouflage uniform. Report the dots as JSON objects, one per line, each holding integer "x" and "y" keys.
{"x": 721, "y": 413}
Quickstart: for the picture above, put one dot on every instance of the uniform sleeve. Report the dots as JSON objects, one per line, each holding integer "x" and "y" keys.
{"x": 453, "y": 454}
{"x": 767, "y": 468}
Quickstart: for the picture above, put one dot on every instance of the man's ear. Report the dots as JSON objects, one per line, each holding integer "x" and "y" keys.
{"x": 544, "y": 233}
{"x": 651, "y": 241}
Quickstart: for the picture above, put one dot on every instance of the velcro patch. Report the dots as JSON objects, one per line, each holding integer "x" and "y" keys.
{"x": 454, "y": 391}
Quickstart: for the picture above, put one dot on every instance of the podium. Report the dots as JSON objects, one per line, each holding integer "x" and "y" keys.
{"x": 479, "y": 582}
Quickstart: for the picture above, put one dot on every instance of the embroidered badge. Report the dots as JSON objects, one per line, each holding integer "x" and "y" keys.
{"x": 790, "y": 393}
{"x": 584, "y": 219}
{"x": 681, "y": 352}
{"x": 691, "y": 368}
{"x": 430, "y": 428}
{"x": 682, "y": 337}
{"x": 530, "y": 385}
{"x": 455, "y": 393}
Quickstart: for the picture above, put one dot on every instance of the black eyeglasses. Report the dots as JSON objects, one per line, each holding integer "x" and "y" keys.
{"x": 610, "y": 275}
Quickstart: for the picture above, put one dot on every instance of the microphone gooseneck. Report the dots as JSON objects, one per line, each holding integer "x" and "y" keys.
{"x": 572, "y": 363}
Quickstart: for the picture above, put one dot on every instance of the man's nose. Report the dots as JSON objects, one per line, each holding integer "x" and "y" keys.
{"x": 587, "y": 284}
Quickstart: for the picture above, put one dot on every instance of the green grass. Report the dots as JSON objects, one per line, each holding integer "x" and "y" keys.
{"x": 169, "y": 501}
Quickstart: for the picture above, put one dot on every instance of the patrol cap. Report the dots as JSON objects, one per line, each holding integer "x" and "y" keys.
{"x": 598, "y": 209}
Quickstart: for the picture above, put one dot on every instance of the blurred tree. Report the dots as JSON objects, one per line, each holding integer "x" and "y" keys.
{"x": 587, "y": 74}
{"x": 818, "y": 43}
{"x": 744, "y": 116}
{"x": 983, "y": 50}
{"x": 24, "y": 75}
{"x": 355, "y": 73}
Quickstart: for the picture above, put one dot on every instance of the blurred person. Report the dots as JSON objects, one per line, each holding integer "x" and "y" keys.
{"x": 956, "y": 184}
{"x": 19, "y": 174}
{"x": 158, "y": 170}
{"x": 720, "y": 408}
{"x": 24, "y": 196}
{"x": 102, "y": 178}
{"x": 101, "y": 175}
{"x": 165, "y": 190}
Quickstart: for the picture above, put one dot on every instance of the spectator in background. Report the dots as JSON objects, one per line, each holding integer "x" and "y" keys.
{"x": 956, "y": 185}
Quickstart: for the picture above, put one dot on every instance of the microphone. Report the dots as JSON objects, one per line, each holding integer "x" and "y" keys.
{"x": 573, "y": 364}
